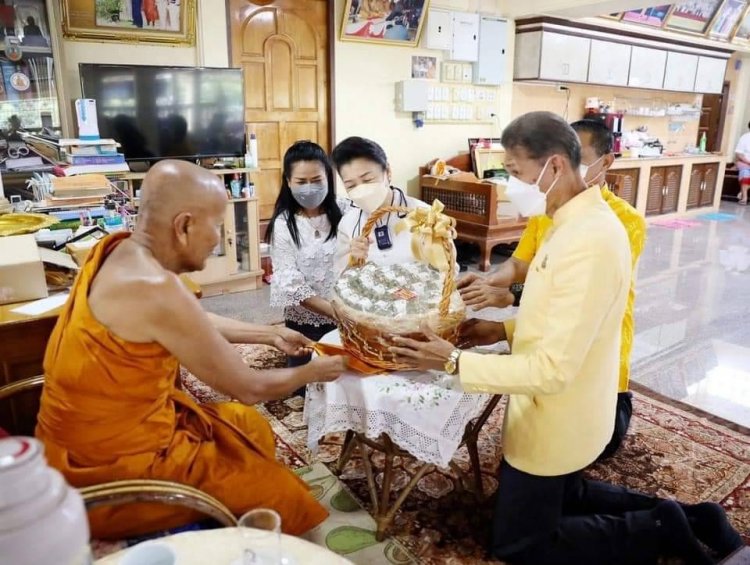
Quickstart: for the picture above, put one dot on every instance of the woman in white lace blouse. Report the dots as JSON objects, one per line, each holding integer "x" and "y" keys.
{"x": 302, "y": 234}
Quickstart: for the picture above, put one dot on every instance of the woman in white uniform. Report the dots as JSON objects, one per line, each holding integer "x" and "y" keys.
{"x": 366, "y": 174}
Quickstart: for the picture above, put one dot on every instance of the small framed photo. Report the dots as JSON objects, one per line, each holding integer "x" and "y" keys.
{"x": 726, "y": 19}
{"x": 742, "y": 34}
{"x": 654, "y": 17}
{"x": 384, "y": 21}
{"x": 693, "y": 16}
{"x": 423, "y": 67}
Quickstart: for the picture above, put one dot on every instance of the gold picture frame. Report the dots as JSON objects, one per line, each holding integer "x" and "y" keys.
{"x": 159, "y": 21}
{"x": 727, "y": 19}
{"x": 375, "y": 21}
{"x": 741, "y": 34}
{"x": 696, "y": 25}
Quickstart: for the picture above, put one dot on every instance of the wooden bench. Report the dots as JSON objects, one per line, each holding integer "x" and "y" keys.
{"x": 474, "y": 205}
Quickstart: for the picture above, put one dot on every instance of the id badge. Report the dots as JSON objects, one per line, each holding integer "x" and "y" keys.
{"x": 383, "y": 238}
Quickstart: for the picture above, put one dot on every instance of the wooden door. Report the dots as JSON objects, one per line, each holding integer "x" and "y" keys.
{"x": 673, "y": 177}
{"x": 655, "y": 190}
{"x": 696, "y": 186}
{"x": 710, "y": 179}
{"x": 713, "y": 111}
{"x": 282, "y": 45}
{"x": 624, "y": 183}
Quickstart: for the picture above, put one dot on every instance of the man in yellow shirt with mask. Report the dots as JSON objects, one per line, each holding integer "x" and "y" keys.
{"x": 561, "y": 380}
{"x": 503, "y": 288}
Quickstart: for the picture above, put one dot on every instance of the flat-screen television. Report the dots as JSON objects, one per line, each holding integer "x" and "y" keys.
{"x": 168, "y": 112}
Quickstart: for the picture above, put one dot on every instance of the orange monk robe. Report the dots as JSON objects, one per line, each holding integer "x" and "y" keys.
{"x": 111, "y": 410}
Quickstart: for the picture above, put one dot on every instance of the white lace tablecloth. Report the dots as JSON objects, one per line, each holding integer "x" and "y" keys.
{"x": 424, "y": 413}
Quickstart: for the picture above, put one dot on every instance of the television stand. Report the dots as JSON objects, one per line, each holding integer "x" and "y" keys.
{"x": 234, "y": 266}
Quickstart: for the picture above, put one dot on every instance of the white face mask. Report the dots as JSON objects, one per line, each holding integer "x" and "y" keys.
{"x": 584, "y": 169}
{"x": 370, "y": 196}
{"x": 528, "y": 198}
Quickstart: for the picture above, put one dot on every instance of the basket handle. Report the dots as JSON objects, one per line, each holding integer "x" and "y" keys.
{"x": 450, "y": 275}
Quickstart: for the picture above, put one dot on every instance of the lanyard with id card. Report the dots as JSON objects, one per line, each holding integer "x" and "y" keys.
{"x": 383, "y": 237}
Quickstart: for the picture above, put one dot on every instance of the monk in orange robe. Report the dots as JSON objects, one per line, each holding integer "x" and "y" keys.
{"x": 110, "y": 407}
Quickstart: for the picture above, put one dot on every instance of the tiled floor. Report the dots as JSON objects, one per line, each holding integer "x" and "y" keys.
{"x": 692, "y": 313}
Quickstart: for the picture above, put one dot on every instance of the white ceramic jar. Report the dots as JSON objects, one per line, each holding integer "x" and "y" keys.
{"x": 42, "y": 519}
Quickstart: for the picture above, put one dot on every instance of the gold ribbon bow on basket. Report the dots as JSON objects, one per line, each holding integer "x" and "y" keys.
{"x": 432, "y": 235}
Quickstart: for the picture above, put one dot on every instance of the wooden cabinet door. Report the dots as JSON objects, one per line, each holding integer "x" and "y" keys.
{"x": 673, "y": 177}
{"x": 624, "y": 183}
{"x": 655, "y": 190}
{"x": 696, "y": 186}
{"x": 282, "y": 45}
{"x": 710, "y": 177}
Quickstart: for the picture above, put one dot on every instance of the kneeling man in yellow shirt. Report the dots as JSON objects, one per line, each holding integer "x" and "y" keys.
{"x": 504, "y": 287}
{"x": 562, "y": 378}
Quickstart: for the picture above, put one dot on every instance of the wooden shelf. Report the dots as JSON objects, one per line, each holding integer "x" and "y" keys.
{"x": 141, "y": 176}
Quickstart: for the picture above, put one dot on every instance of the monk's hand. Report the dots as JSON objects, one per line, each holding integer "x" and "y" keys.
{"x": 484, "y": 295}
{"x": 291, "y": 342}
{"x": 326, "y": 368}
{"x": 473, "y": 333}
{"x": 468, "y": 280}
{"x": 359, "y": 249}
{"x": 423, "y": 355}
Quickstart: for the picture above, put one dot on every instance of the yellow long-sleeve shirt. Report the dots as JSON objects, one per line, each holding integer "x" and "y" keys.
{"x": 562, "y": 375}
{"x": 635, "y": 226}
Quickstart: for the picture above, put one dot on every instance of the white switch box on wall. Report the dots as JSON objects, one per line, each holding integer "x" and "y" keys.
{"x": 412, "y": 95}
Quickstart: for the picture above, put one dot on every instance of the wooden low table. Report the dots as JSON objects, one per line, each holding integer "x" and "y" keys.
{"x": 383, "y": 508}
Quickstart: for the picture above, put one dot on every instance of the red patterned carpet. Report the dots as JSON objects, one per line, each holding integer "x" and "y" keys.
{"x": 671, "y": 451}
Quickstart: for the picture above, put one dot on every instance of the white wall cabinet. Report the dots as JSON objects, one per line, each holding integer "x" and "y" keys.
{"x": 709, "y": 78}
{"x": 564, "y": 57}
{"x": 438, "y": 30}
{"x": 465, "y": 43}
{"x": 609, "y": 63}
{"x": 493, "y": 41}
{"x": 680, "y": 73}
{"x": 647, "y": 67}
{"x": 544, "y": 55}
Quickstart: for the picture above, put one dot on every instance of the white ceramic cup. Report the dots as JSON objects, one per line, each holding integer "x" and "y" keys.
{"x": 150, "y": 554}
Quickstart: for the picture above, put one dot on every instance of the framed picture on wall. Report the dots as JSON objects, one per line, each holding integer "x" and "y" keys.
{"x": 389, "y": 22}
{"x": 742, "y": 34}
{"x": 140, "y": 21}
{"x": 693, "y": 16}
{"x": 654, "y": 17}
{"x": 726, "y": 19}
{"x": 423, "y": 67}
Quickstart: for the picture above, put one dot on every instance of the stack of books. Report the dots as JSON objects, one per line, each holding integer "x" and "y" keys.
{"x": 82, "y": 190}
{"x": 79, "y": 156}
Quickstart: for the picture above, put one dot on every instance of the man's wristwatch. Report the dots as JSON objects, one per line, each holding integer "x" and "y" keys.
{"x": 451, "y": 365}
{"x": 516, "y": 289}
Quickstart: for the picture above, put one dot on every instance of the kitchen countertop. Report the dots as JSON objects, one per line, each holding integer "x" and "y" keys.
{"x": 678, "y": 159}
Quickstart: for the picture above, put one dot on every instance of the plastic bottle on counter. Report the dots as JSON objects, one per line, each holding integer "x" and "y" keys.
{"x": 702, "y": 142}
{"x": 42, "y": 519}
{"x": 251, "y": 156}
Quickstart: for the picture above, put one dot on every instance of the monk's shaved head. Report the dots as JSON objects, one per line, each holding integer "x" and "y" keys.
{"x": 181, "y": 210}
{"x": 172, "y": 187}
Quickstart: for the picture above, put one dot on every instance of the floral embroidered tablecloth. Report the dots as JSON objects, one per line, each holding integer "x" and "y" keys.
{"x": 423, "y": 413}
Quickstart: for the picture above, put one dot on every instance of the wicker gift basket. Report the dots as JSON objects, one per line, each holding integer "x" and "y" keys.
{"x": 374, "y": 303}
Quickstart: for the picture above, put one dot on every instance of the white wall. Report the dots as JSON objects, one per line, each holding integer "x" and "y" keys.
{"x": 366, "y": 75}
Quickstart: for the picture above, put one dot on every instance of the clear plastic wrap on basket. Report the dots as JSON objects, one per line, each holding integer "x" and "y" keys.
{"x": 374, "y": 303}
